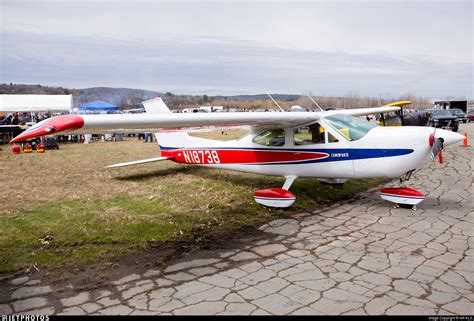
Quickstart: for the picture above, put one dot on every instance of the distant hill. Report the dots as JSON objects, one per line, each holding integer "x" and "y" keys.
{"x": 281, "y": 97}
{"x": 21, "y": 89}
{"x": 122, "y": 97}
{"x": 127, "y": 98}
{"x": 131, "y": 98}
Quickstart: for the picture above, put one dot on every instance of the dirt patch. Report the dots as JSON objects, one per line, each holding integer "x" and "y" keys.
{"x": 87, "y": 276}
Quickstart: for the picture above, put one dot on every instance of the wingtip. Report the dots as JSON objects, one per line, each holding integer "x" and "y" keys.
{"x": 51, "y": 126}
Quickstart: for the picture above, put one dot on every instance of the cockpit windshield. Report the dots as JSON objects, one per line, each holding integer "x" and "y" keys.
{"x": 350, "y": 127}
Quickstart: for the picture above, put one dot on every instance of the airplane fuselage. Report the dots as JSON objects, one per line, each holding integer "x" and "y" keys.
{"x": 382, "y": 152}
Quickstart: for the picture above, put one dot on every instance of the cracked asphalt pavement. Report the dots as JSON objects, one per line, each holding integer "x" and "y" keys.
{"x": 359, "y": 257}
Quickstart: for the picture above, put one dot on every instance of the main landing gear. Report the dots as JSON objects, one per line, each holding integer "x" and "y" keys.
{"x": 276, "y": 197}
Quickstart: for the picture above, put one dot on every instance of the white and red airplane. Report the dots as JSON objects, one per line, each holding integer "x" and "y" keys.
{"x": 329, "y": 145}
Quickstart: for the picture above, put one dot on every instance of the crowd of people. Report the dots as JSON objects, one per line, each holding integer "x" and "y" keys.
{"x": 23, "y": 118}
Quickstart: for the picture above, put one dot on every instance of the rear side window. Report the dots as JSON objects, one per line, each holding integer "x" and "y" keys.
{"x": 274, "y": 137}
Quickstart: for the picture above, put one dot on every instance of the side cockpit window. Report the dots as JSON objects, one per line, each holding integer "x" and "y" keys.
{"x": 274, "y": 137}
{"x": 313, "y": 134}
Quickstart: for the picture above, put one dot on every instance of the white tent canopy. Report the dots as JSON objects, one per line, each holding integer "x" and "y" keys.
{"x": 35, "y": 103}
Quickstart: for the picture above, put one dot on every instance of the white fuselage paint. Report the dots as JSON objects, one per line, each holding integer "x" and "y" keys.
{"x": 378, "y": 139}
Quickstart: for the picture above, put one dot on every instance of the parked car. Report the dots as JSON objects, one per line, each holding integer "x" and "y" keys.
{"x": 416, "y": 118}
{"x": 441, "y": 118}
{"x": 459, "y": 114}
{"x": 470, "y": 115}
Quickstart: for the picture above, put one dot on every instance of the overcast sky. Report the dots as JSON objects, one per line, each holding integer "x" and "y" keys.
{"x": 234, "y": 47}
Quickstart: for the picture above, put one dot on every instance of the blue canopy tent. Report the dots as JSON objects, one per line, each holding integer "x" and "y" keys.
{"x": 98, "y": 105}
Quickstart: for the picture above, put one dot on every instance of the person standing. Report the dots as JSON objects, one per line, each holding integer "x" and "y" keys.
{"x": 150, "y": 136}
{"x": 15, "y": 120}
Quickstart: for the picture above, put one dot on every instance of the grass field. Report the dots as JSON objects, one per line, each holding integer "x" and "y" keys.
{"x": 64, "y": 207}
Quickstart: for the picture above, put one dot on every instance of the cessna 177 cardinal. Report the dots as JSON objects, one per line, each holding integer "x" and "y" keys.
{"x": 328, "y": 145}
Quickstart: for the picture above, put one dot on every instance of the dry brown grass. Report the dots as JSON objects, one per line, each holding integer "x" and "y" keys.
{"x": 74, "y": 171}
{"x": 222, "y": 135}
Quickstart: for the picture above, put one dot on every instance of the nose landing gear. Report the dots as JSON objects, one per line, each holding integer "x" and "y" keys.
{"x": 403, "y": 196}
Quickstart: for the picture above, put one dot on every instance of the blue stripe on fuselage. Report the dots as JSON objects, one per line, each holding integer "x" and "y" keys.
{"x": 335, "y": 155}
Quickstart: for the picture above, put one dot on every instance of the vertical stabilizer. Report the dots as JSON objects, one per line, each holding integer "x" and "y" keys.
{"x": 156, "y": 106}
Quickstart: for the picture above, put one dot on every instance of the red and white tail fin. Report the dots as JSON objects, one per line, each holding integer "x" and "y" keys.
{"x": 156, "y": 106}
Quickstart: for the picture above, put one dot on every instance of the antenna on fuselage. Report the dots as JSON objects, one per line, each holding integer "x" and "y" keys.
{"x": 315, "y": 102}
{"x": 281, "y": 109}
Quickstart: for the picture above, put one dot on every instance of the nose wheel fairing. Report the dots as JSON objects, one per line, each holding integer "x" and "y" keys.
{"x": 402, "y": 195}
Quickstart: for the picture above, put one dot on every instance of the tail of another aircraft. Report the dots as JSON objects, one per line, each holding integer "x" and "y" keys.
{"x": 156, "y": 106}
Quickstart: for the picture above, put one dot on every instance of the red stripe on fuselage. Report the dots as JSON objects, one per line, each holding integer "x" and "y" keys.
{"x": 240, "y": 156}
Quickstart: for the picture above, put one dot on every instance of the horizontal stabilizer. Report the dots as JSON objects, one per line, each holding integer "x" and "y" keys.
{"x": 138, "y": 162}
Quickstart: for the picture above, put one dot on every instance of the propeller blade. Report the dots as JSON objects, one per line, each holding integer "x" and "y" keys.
{"x": 437, "y": 148}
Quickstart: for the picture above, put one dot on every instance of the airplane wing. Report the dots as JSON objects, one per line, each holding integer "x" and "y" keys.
{"x": 399, "y": 103}
{"x": 99, "y": 123}
{"x": 366, "y": 111}
{"x": 395, "y": 106}
{"x": 117, "y": 122}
